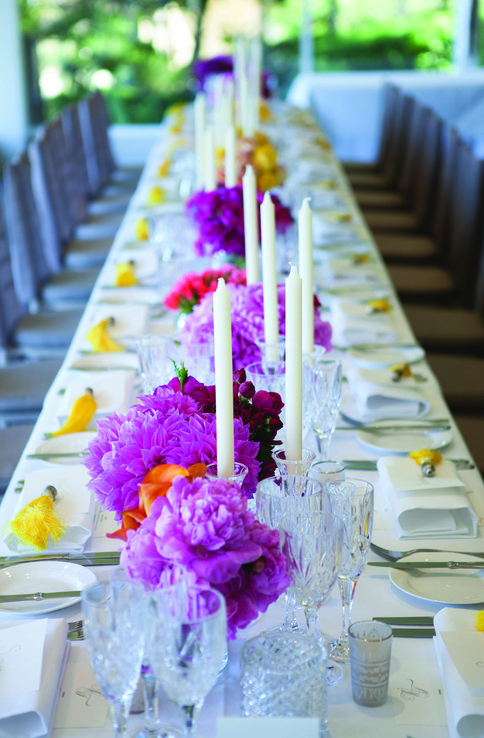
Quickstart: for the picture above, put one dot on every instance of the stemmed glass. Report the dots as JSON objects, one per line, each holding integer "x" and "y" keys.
{"x": 352, "y": 501}
{"x": 313, "y": 543}
{"x": 188, "y": 646}
{"x": 322, "y": 392}
{"x": 114, "y": 627}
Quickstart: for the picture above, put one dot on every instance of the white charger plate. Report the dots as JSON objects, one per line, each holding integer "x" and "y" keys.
{"x": 464, "y": 587}
{"x": 43, "y": 576}
{"x": 70, "y": 443}
{"x": 403, "y": 442}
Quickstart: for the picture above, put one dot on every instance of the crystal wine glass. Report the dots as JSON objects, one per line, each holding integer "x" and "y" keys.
{"x": 114, "y": 627}
{"x": 322, "y": 391}
{"x": 313, "y": 543}
{"x": 188, "y": 646}
{"x": 352, "y": 501}
{"x": 277, "y": 497}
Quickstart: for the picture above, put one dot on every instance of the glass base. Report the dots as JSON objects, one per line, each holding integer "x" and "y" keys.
{"x": 340, "y": 651}
{"x": 159, "y": 731}
{"x": 334, "y": 674}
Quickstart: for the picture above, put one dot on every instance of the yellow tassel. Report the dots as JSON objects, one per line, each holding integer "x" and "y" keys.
{"x": 398, "y": 371}
{"x": 99, "y": 338}
{"x": 427, "y": 460}
{"x": 378, "y": 306}
{"x": 156, "y": 196}
{"x": 480, "y": 621}
{"x": 142, "y": 231}
{"x": 164, "y": 168}
{"x": 361, "y": 259}
{"x": 38, "y": 521}
{"x": 125, "y": 274}
{"x": 81, "y": 413}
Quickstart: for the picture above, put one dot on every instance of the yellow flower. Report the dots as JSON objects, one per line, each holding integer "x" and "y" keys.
{"x": 266, "y": 181}
{"x": 264, "y": 111}
{"x": 265, "y": 157}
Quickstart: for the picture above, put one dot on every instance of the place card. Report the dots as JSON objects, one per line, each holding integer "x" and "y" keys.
{"x": 267, "y": 727}
{"x": 81, "y": 703}
{"x": 21, "y": 656}
{"x": 466, "y": 651}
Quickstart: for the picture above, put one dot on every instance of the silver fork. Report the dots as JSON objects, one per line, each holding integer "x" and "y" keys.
{"x": 390, "y": 555}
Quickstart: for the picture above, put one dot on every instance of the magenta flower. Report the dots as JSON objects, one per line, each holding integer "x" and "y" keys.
{"x": 247, "y": 313}
{"x": 206, "y": 528}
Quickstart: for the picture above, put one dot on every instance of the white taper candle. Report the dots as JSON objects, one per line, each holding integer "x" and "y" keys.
{"x": 223, "y": 380}
{"x": 251, "y": 227}
{"x": 294, "y": 391}
{"x": 306, "y": 272}
{"x": 269, "y": 273}
{"x": 230, "y": 157}
{"x": 199, "y": 116}
{"x": 210, "y": 175}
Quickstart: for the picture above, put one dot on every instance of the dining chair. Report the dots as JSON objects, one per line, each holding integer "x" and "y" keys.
{"x": 25, "y": 335}
{"x": 96, "y": 202}
{"x": 38, "y": 285}
{"x": 104, "y": 174}
{"x": 453, "y": 282}
{"x": 65, "y": 244}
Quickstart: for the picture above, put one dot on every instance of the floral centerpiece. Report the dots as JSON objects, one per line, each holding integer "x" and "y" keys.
{"x": 247, "y": 313}
{"x": 177, "y": 425}
{"x": 204, "y": 69}
{"x": 206, "y": 528}
{"x": 189, "y": 289}
{"x": 220, "y": 218}
{"x": 261, "y": 154}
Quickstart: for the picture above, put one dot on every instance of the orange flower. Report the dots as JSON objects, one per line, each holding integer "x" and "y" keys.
{"x": 155, "y": 484}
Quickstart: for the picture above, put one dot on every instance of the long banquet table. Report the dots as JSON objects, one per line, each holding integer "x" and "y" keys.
{"x": 416, "y": 706}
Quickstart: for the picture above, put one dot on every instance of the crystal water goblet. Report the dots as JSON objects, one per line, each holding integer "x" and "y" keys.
{"x": 296, "y": 466}
{"x": 156, "y": 357}
{"x": 188, "y": 646}
{"x": 114, "y": 627}
{"x": 313, "y": 543}
{"x": 353, "y": 501}
{"x": 322, "y": 382}
{"x": 276, "y": 497}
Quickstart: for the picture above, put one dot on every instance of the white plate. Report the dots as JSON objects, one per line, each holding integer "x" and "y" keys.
{"x": 43, "y": 576}
{"x": 68, "y": 443}
{"x": 383, "y": 358}
{"x": 403, "y": 442}
{"x": 108, "y": 361}
{"x": 441, "y": 585}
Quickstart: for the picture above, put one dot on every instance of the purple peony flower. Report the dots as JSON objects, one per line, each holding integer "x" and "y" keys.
{"x": 205, "y": 68}
{"x": 220, "y": 217}
{"x": 247, "y": 313}
{"x": 167, "y": 427}
{"x": 206, "y": 528}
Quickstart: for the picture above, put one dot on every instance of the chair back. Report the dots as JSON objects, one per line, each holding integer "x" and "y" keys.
{"x": 390, "y": 94}
{"x": 466, "y": 222}
{"x": 10, "y": 308}
{"x": 29, "y": 265}
{"x": 54, "y": 226}
{"x": 425, "y": 185}
{"x": 445, "y": 179}
{"x": 94, "y": 128}
{"x": 71, "y": 128}
{"x": 398, "y": 136}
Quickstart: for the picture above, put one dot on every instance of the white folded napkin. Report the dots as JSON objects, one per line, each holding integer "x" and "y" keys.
{"x": 146, "y": 263}
{"x": 376, "y": 401}
{"x": 74, "y": 504}
{"x": 464, "y": 705}
{"x": 130, "y": 321}
{"x": 327, "y": 229}
{"x": 33, "y": 662}
{"x": 345, "y": 272}
{"x": 352, "y": 325}
{"x": 113, "y": 392}
{"x": 426, "y": 507}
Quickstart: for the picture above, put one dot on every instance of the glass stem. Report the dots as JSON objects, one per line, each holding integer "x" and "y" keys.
{"x": 311, "y": 614}
{"x": 150, "y": 698}
{"x": 290, "y": 619}
{"x": 190, "y": 713}
{"x": 322, "y": 442}
{"x": 119, "y": 715}
{"x": 347, "y": 591}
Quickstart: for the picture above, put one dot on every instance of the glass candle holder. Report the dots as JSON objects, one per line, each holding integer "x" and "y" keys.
{"x": 240, "y": 473}
{"x": 370, "y": 652}
{"x": 294, "y": 466}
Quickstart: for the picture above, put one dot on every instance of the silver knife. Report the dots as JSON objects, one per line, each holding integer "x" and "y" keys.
{"x": 396, "y": 428}
{"x": 368, "y": 465}
{"x": 63, "y": 455}
{"x": 39, "y": 596}
{"x": 77, "y": 558}
{"x": 428, "y": 564}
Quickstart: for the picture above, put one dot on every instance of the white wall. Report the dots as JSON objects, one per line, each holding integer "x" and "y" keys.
{"x": 13, "y": 113}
